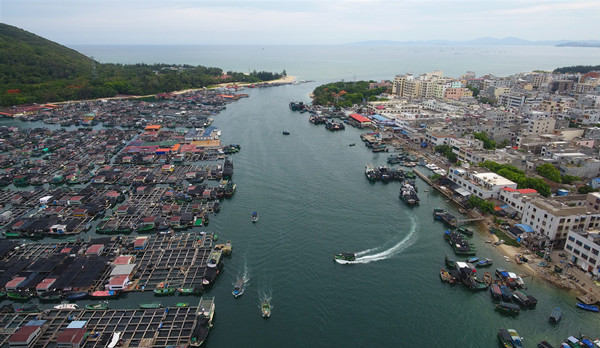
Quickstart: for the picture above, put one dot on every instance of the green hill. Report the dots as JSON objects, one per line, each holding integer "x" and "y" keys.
{"x": 37, "y": 70}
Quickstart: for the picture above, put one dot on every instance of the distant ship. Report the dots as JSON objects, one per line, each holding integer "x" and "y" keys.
{"x": 344, "y": 258}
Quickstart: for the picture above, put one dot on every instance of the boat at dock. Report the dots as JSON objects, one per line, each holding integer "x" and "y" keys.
{"x": 588, "y": 307}
{"x": 555, "y": 315}
{"x": 408, "y": 194}
{"x": 515, "y": 338}
{"x": 265, "y": 308}
{"x": 104, "y": 294}
{"x": 465, "y": 231}
{"x": 449, "y": 263}
{"x": 487, "y": 278}
{"x": 344, "y": 258}
{"x": 238, "y": 288}
{"x": 49, "y": 296}
{"x": 507, "y": 295}
{"x": 483, "y": 263}
{"x": 189, "y": 291}
{"x": 150, "y": 305}
{"x": 509, "y": 338}
{"x": 19, "y": 295}
{"x": 447, "y": 277}
{"x": 29, "y": 309}
{"x": 443, "y": 215}
{"x": 254, "y": 217}
{"x": 182, "y": 304}
{"x": 73, "y": 296}
{"x": 164, "y": 291}
{"x": 496, "y": 292}
{"x": 214, "y": 258}
{"x": 206, "y": 312}
{"x": 460, "y": 246}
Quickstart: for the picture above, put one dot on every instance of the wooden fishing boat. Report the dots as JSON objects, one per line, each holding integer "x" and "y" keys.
{"x": 182, "y": 304}
{"x": 508, "y": 308}
{"x": 189, "y": 291}
{"x": 164, "y": 291}
{"x": 450, "y": 263}
{"x": 445, "y": 276}
{"x": 588, "y": 307}
{"x": 50, "y": 296}
{"x": 104, "y": 294}
{"x": 18, "y": 295}
{"x": 556, "y": 315}
{"x": 150, "y": 305}
{"x": 97, "y": 306}
{"x": 487, "y": 278}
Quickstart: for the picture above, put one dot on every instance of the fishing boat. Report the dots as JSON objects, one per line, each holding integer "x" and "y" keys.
{"x": 206, "y": 312}
{"x": 450, "y": 263}
{"x": 72, "y": 296}
{"x": 487, "y": 278}
{"x": 352, "y": 144}
{"x": 164, "y": 291}
{"x": 473, "y": 259}
{"x": 150, "y": 305}
{"x": 50, "y": 296}
{"x": 189, "y": 291}
{"x": 265, "y": 308}
{"x": 238, "y": 288}
{"x": 254, "y": 217}
{"x": 556, "y": 315}
{"x": 182, "y": 304}
{"x": 19, "y": 295}
{"x": 588, "y": 307}
{"x": 508, "y": 308}
{"x": 507, "y": 294}
{"x": 465, "y": 231}
{"x": 344, "y": 258}
{"x": 496, "y": 292}
{"x": 286, "y": 133}
{"x": 214, "y": 258}
{"x": 483, "y": 263}
{"x": 504, "y": 337}
{"x": 515, "y": 338}
{"x": 104, "y": 294}
{"x": 445, "y": 276}
{"x": 97, "y": 306}
{"x": 66, "y": 306}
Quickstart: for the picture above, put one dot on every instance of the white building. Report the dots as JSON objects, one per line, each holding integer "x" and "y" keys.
{"x": 517, "y": 199}
{"x": 583, "y": 248}
{"x": 482, "y": 185}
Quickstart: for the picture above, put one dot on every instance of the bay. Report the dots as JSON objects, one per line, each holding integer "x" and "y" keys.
{"x": 313, "y": 199}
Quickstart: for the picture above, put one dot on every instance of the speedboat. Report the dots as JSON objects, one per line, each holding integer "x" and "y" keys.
{"x": 254, "y": 216}
{"x": 344, "y": 258}
{"x": 588, "y": 307}
{"x": 238, "y": 288}
{"x": 266, "y": 308}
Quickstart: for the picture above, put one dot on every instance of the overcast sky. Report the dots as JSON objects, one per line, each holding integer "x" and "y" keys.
{"x": 300, "y": 21}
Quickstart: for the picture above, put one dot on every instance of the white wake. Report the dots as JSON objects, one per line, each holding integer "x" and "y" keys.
{"x": 395, "y": 249}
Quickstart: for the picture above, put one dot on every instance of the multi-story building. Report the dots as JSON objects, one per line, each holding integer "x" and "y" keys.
{"x": 583, "y": 248}
{"x": 483, "y": 185}
{"x": 512, "y": 100}
{"x": 538, "y": 80}
{"x": 541, "y": 126}
{"x": 553, "y": 218}
{"x": 457, "y": 93}
{"x": 517, "y": 199}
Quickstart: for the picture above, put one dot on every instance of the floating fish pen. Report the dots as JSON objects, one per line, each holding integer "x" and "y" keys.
{"x": 174, "y": 326}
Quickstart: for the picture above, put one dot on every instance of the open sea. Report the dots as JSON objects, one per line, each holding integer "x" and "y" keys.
{"x": 314, "y": 200}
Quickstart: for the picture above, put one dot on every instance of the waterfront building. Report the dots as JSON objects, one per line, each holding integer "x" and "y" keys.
{"x": 517, "y": 198}
{"x": 583, "y": 248}
{"x": 483, "y": 185}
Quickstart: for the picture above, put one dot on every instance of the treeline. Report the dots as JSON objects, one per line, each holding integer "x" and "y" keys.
{"x": 109, "y": 80}
{"x": 582, "y": 69}
{"x": 345, "y": 94}
{"x": 518, "y": 176}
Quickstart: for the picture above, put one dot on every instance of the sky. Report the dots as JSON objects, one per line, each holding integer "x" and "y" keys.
{"x": 300, "y": 21}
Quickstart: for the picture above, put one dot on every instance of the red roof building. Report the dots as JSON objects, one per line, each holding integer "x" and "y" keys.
{"x": 360, "y": 119}
{"x": 25, "y": 336}
{"x": 95, "y": 249}
{"x": 71, "y": 338}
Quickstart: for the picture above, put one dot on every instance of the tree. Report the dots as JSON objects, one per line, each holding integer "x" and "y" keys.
{"x": 488, "y": 144}
{"x": 585, "y": 189}
{"x": 569, "y": 179}
{"x": 549, "y": 172}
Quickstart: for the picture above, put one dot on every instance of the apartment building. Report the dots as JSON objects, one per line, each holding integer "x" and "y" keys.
{"x": 583, "y": 248}
{"x": 483, "y": 185}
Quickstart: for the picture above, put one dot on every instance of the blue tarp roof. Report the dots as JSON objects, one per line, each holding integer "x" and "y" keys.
{"x": 379, "y": 118}
{"x": 525, "y": 228}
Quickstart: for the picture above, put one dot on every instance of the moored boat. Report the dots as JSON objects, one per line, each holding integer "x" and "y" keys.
{"x": 487, "y": 278}
{"x": 344, "y": 258}
{"x": 465, "y": 231}
{"x": 483, "y": 263}
{"x": 150, "y": 305}
{"x": 50, "y": 296}
{"x": 164, "y": 291}
{"x": 19, "y": 295}
{"x": 206, "y": 312}
{"x": 504, "y": 338}
{"x": 588, "y": 307}
{"x": 28, "y": 309}
{"x": 189, "y": 291}
{"x": 555, "y": 315}
{"x": 450, "y": 263}
{"x": 97, "y": 306}
{"x": 214, "y": 258}
{"x": 238, "y": 288}
{"x": 182, "y": 304}
{"x": 515, "y": 338}
{"x": 72, "y": 296}
{"x": 265, "y": 308}
{"x": 508, "y": 308}
{"x": 496, "y": 292}
{"x": 104, "y": 294}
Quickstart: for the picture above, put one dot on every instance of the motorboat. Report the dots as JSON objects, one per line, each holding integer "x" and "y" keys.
{"x": 265, "y": 308}
{"x": 344, "y": 258}
{"x": 238, "y": 288}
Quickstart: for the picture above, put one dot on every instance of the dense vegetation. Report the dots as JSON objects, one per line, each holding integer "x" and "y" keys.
{"x": 512, "y": 173}
{"x": 551, "y": 173}
{"x": 488, "y": 144}
{"x": 345, "y": 94}
{"x": 583, "y": 69}
{"x": 446, "y": 151}
{"x": 481, "y": 204}
{"x": 33, "y": 69}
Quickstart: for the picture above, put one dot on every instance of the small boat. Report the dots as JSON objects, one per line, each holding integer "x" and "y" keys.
{"x": 445, "y": 276}
{"x": 496, "y": 292}
{"x": 487, "y": 278}
{"x": 28, "y": 309}
{"x": 66, "y": 306}
{"x": 150, "y": 305}
{"x": 556, "y": 315}
{"x": 189, "y": 291}
{"x": 254, "y": 216}
{"x": 104, "y": 294}
{"x": 19, "y": 295}
{"x": 344, "y": 258}
{"x": 214, "y": 258}
{"x": 164, "y": 291}
{"x": 114, "y": 341}
{"x": 507, "y": 294}
{"x": 544, "y": 344}
{"x": 473, "y": 259}
{"x": 265, "y": 308}
{"x": 504, "y": 338}
{"x": 182, "y": 304}
{"x": 508, "y": 308}
{"x": 465, "y": 231}
{"x": 286, "y": 133}
{"x": 352, "y": 144}
{"x": 238, "y": 288}
{"x": 483, "y": 263}
{"x": 450, "y": 263}
{"x": 588, "y": 307}
{"x": 49, "y": 296}
{"x": 97, "y": 306}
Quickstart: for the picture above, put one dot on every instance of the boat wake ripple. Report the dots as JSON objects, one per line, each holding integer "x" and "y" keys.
{"x": 395, "y": 249}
